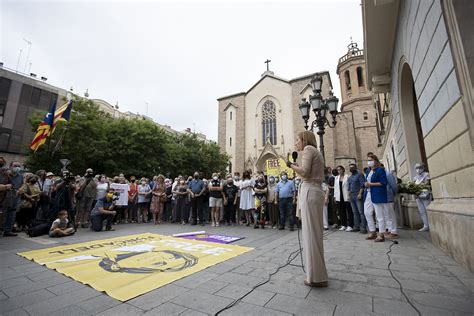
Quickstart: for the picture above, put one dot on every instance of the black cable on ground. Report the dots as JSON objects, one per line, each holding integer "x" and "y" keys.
{"x": 288, "y": 263}
{"x": 394, "y": 242}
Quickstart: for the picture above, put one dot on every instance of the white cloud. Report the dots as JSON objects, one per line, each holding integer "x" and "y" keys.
{"x": 177, "y": 56}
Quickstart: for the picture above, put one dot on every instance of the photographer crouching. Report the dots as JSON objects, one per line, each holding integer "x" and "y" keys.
{"x": 103, "y": 211}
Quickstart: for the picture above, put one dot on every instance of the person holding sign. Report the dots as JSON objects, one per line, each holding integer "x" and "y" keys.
{"x": 310, "y": 208}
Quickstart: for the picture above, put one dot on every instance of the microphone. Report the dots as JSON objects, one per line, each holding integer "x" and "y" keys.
{"x": 294, "y": 155}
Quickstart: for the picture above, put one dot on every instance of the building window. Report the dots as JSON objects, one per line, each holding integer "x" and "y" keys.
{"x": 230, "y": 115}
{"x": 2, "y": 113}
{"x": 366, "y": 116}
{"x": 347, "y": 77}
{"x": 360, "y": 78}
{"x": 269, "y": 123}
{"x": 230, "y": 141}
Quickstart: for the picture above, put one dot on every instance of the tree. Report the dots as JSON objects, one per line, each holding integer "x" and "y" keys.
{"x": 92, "y": 139}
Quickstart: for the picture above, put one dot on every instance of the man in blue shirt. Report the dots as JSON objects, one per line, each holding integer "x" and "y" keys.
{"x": 103, "y": 211}
{"x": 197, "y": 187}
{"x": 356, "y": 189}
{"x": 285, "y": 197}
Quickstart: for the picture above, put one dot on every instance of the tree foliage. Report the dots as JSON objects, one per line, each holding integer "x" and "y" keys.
{"x": 92, "y": 139}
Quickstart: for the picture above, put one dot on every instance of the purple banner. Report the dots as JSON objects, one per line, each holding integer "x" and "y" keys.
{"x": 221, "y": 239}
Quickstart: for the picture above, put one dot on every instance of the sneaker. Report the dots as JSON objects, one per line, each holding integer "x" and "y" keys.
{"x": 424, "y": 229}
{"x": 281, "y": 228}
{"x": 348, "y": 229}
{"x": 213, "y": 224}
{"x": 217, "y": 224}
{"x": 342, "y": 228}
{"x": 292, "y": 228}
{"x": 110, "y": 229}
{"x": 326, "y": 228}
{"x": 335, "y": 226}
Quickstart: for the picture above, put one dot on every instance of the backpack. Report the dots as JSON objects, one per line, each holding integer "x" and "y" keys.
{"x": 38, "y": 228}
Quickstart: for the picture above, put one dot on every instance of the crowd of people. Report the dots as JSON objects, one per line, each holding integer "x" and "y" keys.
{"x": 354, "y": 201}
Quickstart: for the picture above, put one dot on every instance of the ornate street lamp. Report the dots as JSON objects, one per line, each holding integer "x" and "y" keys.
{"x": 320, "y": 108}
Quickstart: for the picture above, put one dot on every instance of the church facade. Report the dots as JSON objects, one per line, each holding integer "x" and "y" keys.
{"x": 262, "y": 122}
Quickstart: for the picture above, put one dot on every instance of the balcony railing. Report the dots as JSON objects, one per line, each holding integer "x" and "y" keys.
{"x": 351, "y": 54}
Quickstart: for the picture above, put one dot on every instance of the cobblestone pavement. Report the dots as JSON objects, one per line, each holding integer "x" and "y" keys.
{"x": 360, "y": 282}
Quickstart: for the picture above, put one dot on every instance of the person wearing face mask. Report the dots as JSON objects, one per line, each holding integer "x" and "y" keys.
{"x": 131, "y": 214}
{"x": 424, "y": 199}
{"x": 86, "y": 195}
{"x": 285, "y": 196}
{"x": 12, "y": 180}
{"x": 356, "y": 189}
{"x": 182, "y": 192}
{"x": 167, "y": 213}
{"x": 230, "y": 201}
{"x": 261, "y": 190}
{"x": 29, "y": 197}
{"x": 144, "y": 192}
{"x": 104, "y": 210}
{"x": 273, "y": 212}
{"x": 375, "y": 198}
{"x": 238, "y": 211}
{"x": 215, "y": 200}
{"x": 341, "y": 196}
{"x": 247, "y": 199}
{"x": 196, "y": 185}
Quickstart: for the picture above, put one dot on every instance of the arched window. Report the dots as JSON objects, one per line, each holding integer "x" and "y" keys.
{"x": 347, "y": 77}
{"x": 360, "y": 78}
{"x": 230, "y": 115}
{"x": 366, "y": 116}
{"x": 230, "y": 142}
{"x": 269, "y": 122}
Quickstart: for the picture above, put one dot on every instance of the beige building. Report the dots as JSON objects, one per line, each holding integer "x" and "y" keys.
{"x": 420, "y": 58}
{"x": 114, "y": 112}
{"x": 262, "y": 123}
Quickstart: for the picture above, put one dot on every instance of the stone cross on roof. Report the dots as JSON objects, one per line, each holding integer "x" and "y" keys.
{"x": 268, "y": 64}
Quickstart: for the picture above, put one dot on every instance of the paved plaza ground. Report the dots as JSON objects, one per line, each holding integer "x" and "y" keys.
{"x": 359, "y": 280}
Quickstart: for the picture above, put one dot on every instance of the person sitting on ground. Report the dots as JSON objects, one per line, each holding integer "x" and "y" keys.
{"x": 61, "y": 226}
{"x": 103, "y": 211}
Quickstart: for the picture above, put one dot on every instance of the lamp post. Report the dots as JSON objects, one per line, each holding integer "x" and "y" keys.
{"x": 320, "y": 108}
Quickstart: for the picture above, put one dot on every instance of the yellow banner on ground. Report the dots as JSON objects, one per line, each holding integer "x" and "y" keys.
{"x": 128, "y": 266}
{"x": 274, "y": 167}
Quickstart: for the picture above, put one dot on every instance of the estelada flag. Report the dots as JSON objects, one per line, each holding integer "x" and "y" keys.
{"x": 44, "y": 129}
{"x": 63, "y": 113}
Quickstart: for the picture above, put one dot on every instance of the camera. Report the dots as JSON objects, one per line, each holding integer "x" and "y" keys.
{"x": 115, "y": 197}
{"x": 67, "y": 176}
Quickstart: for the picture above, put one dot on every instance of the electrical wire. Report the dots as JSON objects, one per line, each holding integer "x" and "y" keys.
{"x": 292, "y": 256}
{"x": 394, "y": 242}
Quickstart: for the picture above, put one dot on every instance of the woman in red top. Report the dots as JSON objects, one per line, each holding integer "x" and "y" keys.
{"x": 132, "y": 201}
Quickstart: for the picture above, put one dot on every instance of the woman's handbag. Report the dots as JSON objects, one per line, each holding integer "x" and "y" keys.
{"x": 163, "y": 198}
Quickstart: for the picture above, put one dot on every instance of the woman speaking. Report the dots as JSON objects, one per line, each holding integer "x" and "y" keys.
{"x": 310, "y": 203}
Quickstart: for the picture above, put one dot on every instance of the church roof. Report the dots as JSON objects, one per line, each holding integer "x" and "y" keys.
{"x": 231, "y": 96}
{"x": 309, "y": 76}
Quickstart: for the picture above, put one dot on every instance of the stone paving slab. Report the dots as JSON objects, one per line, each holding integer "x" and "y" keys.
{"x": 359, "y": 280}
